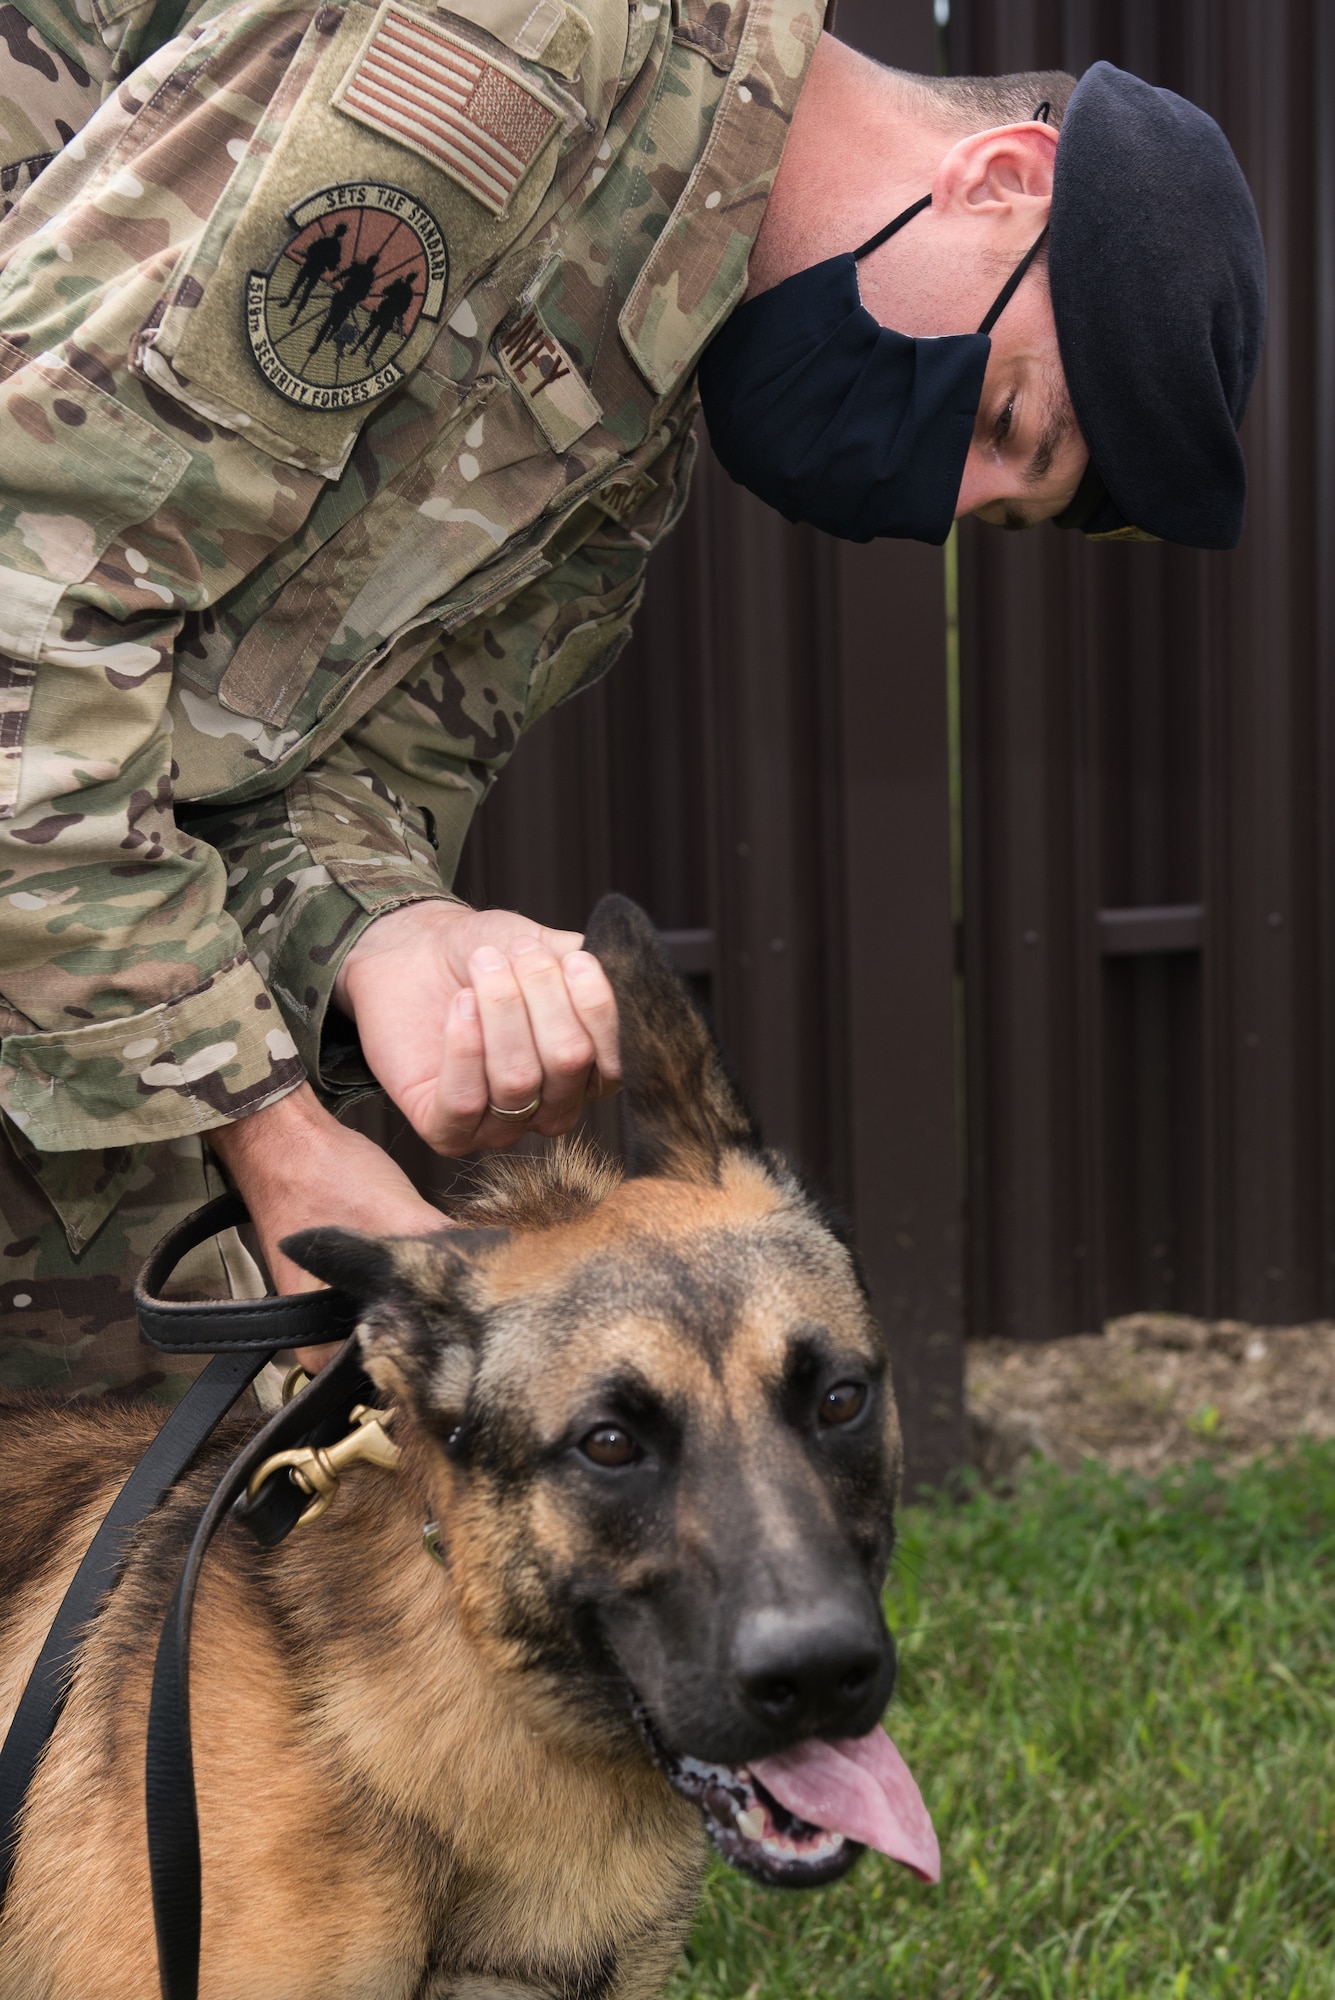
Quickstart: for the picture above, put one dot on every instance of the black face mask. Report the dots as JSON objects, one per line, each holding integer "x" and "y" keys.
{"x": 836, "y": 420}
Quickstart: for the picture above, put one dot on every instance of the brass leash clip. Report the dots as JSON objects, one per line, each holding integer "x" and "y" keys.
{"x": 317, "y": 1469}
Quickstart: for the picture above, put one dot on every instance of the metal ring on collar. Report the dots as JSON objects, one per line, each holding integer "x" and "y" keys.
{"x": 516, "y": 1117}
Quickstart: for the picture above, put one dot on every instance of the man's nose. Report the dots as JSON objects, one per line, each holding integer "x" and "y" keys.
{"x": 823, "y": 1668}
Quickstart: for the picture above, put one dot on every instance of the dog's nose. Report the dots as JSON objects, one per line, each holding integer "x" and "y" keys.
{"x": 812, "y": 1668}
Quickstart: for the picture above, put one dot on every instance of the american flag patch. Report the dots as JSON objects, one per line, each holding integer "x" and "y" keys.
{"x": 416, "y": 83}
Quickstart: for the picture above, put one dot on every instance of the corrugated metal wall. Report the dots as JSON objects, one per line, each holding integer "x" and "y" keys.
{"x": 1147, "y": 789}
{"x": 1146, "y": 783}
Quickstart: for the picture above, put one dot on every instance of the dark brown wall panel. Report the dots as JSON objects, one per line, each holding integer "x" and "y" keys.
{"x": 1147, "y": 745}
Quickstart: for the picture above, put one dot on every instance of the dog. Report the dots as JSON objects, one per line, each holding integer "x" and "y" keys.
{"x": 645, "y": 1416}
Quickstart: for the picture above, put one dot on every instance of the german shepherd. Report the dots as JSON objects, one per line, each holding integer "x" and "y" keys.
{"x": 652, "y": 1415}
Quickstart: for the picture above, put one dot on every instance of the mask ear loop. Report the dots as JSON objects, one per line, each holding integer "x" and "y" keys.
{"x": 1011, "y": 286}
{"x": 875, "y": 242}
{"x": 1008, "y": 290}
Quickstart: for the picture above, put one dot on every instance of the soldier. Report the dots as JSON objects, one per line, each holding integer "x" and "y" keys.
{"x": 352, "y": 292}
{"x": 321, "y": 259}
{"x": 252, "y": 685}
{"x": 387, "y": 318}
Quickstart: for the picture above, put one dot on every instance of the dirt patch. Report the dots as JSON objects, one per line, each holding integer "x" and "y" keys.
{"x": 1151, "y": 1390}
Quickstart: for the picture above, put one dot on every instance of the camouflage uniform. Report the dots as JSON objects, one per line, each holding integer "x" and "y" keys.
{"x": 346, "y": 358}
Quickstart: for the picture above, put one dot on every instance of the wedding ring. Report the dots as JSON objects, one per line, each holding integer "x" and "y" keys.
{"x": 516, "y": 1117}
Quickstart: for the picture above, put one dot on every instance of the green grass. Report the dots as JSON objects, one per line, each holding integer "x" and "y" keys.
{"x": 1119, "y": 1701}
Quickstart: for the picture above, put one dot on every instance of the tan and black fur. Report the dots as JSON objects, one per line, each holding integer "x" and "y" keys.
{"x": 422, "y": 1779}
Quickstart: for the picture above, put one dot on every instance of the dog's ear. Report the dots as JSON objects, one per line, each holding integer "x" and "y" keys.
{"x": 421, "y": 1318}
{"x": 681, "y": 1109}
{"x": 381, "y": 1267}
{"x": 360, "y": 1265}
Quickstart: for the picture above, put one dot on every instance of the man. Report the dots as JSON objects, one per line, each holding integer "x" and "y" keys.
{"x": 296, "y": 543}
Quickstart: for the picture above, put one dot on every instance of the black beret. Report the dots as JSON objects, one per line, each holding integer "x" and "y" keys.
{"x": 1157, "y": 275}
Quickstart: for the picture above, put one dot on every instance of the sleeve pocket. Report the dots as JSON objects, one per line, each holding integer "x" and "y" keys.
{"x": 79, "y": 467}
{"x": 584, "y": 653}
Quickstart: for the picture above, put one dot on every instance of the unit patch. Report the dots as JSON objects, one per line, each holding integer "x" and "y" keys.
{"x": 364, "y": 266}
{"x": 479, "y": 122}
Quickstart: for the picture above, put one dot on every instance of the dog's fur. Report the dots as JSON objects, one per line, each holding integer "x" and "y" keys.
{"x": 420, "y": 1780}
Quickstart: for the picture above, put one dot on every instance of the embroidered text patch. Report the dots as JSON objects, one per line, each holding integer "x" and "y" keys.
{"x": 539, "y": 366}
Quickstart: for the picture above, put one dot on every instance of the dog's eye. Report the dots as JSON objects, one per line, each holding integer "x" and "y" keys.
{"x": 610, "y": 1447}
{"x": 844, "y": 1402}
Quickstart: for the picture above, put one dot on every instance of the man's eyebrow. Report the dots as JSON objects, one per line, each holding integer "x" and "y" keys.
{"x": 1013, "y": 519}
{"x": 1058, "y": 425}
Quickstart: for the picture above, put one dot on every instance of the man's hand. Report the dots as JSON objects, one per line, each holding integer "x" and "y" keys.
{"x": 298, "y": 1168}
{"x": 459, "y": 1009}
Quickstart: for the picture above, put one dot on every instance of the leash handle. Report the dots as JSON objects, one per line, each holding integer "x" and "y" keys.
{"x": 230, "y": 1326}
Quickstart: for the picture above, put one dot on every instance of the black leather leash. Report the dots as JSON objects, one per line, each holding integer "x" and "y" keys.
{"x": 230, "y": 1326}
{"x": 242, "y": 1336}
{"x": 189, "y": 1425}
{"x": 318, "y": 1415}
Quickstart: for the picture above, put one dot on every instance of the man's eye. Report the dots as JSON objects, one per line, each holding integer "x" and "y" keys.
{"x": 1003, "y": 423}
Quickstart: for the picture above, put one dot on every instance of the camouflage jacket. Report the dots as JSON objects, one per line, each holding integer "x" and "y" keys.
{"x": 346, "y": 380}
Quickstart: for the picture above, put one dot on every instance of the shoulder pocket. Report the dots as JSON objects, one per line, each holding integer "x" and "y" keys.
{"x": 402, "y": 155}
{"x": 712, "y": 27}
{"x": 79, "y": 468}
{"x": 550, "y": 32}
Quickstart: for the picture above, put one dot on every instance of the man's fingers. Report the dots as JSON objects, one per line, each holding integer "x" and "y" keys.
{"x": 531, "y": 1026}
{"x": 515, "y": 1082}
{"x": 562, "y": 1044}
{"x": 514, "y": 1070}
{"x": 459, "y": 1103}
{"x": 313, "y": 1359}
{"x": 594, "y": 1001}
{"x": 559, "y": 943}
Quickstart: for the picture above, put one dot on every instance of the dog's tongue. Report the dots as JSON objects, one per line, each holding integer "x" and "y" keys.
{"x": 860, "y": 1787}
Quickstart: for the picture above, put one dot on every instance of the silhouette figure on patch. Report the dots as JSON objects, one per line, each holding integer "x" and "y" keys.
{"x": 353, "y": 292}
{"x": 321, "y": 260}
{"x": 388, "y": 316}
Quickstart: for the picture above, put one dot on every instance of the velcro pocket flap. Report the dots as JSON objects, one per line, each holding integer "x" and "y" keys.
{"x": 78, "y": 467}
{"x": 712, "y": 27}
{"x": 549, "y": 32}
{"x": 696, "y": 272}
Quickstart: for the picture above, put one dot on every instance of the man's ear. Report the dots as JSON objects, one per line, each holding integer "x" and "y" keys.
{"x": 1010, "y": 167}
{"x": 681, "y": 1109}
{"x": 419, "y": 1328}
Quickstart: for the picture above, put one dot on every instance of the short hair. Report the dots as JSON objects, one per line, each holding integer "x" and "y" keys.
{"x": 978, "y": 103}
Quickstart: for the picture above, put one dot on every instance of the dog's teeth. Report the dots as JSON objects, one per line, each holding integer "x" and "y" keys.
{"x": 706, "y": 1774}
{"x": 752, "y": 1822}
{"x": 780, "y": 1848}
